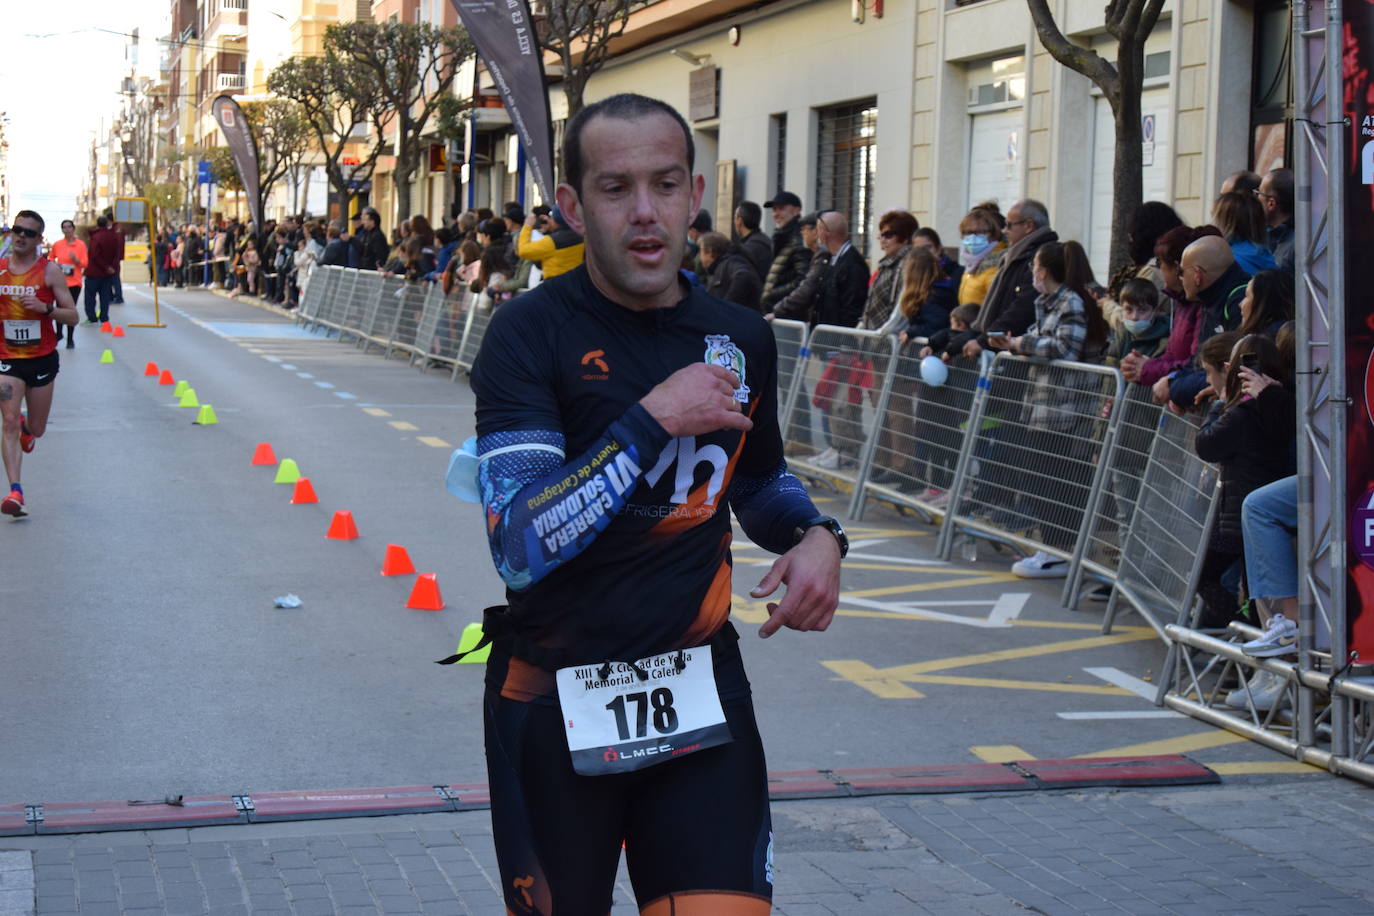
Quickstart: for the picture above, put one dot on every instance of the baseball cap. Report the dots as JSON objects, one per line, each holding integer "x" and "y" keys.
{"x": 784, "y": 199}
{"x": 557, "y": 216}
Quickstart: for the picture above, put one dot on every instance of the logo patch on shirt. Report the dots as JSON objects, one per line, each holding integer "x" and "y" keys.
{"x": 594, "y": 358}
{"x": 721, "y": 352}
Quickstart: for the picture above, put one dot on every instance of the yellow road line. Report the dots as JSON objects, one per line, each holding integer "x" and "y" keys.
{"x": 1195, "y": 742}
{"x": 1250, "y": 767}
{"x": 999, "y": 753}
{"x": 1050, "y": 686}
{"x": 871, "y": 680}
{"x": 862, "y": 532}
{"x": 973, "y": 579}
{"x": 1002, "y": 655}
{"x": 376, "y": 411}
{"x": 434, "y": 441}
{"x": 402, "y": 424}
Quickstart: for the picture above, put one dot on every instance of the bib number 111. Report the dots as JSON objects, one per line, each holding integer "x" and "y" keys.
{"x": 661, "y": 702}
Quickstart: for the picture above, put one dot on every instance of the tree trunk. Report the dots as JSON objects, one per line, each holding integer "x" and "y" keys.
{"x": 1127, "y": 182}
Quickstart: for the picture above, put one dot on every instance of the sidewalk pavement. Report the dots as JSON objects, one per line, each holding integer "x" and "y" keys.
{"x": 1253, "y": 846}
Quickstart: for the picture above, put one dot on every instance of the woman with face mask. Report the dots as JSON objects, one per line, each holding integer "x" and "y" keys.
{"x": 980, "y": 254}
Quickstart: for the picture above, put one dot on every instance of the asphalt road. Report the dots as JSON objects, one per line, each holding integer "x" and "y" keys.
{"x": 141, "y": 655}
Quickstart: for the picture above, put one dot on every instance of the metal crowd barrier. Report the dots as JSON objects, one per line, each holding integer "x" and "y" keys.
{"x": 842, "y": 393}
{"x": 1031, "y": 461}
{"x": 922, "y": 434}
{"x": 1166, "y": 539}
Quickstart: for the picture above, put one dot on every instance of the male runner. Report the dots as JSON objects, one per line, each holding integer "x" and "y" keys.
{"x": 621, "y": 416}
{"x": 70, "y": 254}
{"x": 33, "y": 298}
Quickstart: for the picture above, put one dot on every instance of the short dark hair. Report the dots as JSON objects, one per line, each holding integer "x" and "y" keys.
{"x": 1140, "y": 292}
{"x": 714, "y": 242}
{"x": 967, "y": 313}
{"x": 102, "y": 220}
{"x": 925, "y": 232}
{"x": 30, "y": 214}
{"x": 750, "y": 214}
{"x": 63, "y": 224}
{"x": 625, "y": 106}
{"x": 1281, "y": 181}
{"x": 701, "y": 222}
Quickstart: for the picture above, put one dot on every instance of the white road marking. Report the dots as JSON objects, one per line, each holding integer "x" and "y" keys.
{"x": 1115, "y": 676}
{"x": 1141, "y": 714}
{"x": 287, "y": 366}
{"x": 344, "y": 394}
{"x": 324, "y": 384}
{"x": 277, "y": 359}
{"x": 304, "y": 375}
{"x": 1001, "y": 611}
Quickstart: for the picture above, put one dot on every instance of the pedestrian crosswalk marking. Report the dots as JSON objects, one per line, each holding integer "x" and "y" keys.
{"x": 434, "y": 441}
{"x": 399, "y": 424}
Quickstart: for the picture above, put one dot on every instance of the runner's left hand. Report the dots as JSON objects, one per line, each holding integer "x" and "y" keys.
{"x": 811, "y": 572}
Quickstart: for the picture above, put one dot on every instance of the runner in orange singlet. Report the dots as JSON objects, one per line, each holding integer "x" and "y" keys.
{"x": 33, "y": 298}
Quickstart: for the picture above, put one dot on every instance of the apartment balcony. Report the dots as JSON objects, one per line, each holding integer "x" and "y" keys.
{"x": 230, "y": 82}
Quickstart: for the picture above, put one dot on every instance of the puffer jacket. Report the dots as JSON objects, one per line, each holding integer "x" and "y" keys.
{"x": 791, "y": 258}
{"x": 556, "y": 253}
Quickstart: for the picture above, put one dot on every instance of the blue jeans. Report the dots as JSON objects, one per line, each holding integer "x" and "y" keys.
{"x": 102, "y": 288}
{"x": 1269, "y": 522}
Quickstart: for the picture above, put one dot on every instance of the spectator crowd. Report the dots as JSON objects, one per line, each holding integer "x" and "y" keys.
{"x": 1201, "y": 318}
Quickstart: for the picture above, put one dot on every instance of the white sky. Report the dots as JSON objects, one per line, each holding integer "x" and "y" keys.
{"x": 62, "y": 78}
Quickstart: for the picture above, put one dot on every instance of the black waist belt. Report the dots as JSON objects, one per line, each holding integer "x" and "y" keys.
{"x": 499, "y": 629}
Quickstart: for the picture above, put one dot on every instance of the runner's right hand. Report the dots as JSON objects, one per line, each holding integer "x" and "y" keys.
{"x": 695, "y": 400}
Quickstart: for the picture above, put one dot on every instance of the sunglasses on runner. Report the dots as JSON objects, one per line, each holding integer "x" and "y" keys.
{"x": 27, "y": 233}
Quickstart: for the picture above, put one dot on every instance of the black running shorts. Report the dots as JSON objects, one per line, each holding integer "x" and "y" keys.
{"x": 35, "y": 371}
{"x": 697, "y": 833}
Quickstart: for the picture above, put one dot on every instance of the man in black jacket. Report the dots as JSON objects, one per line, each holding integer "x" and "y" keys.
{"x": 843, "y": 292}
{"x": 1009, "y": 306}
{"x": 790, "y": 256}
{"x": 753, "y": 244}
{"x": 729, "y": 275}
{"x": 373, "y": 248}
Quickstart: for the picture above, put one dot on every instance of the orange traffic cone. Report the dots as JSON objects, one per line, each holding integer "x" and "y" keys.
{"x": 105, "y": 327}
{"x": 263, "y": 454}
{"x": 118, "y": 331}
{"x": 425, "y": 595}
{"x": 397, "y": 561}
{"x": 150, "y": 369}
{"x": 166, "y": 378}
{"x": 342, "y": 528}
{"x": 304, "y": 492}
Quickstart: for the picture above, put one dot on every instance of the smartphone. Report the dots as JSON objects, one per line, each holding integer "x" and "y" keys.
{"x": 1250, "y": 361}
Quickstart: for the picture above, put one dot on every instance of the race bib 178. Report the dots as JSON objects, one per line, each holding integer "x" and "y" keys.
{"x": 636, "y": 715}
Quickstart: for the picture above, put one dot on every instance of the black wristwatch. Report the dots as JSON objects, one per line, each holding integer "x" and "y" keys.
{"x": 829, "y": 524}
{"x": 52, "y": 307}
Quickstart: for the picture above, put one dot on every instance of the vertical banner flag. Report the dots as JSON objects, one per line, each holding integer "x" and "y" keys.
{"x": 503, "y": 33}
{"x": 1358, "y": 62}
{"x": 239, "y": 138}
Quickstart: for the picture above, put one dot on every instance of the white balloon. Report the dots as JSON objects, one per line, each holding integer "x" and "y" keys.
{"x": 933, "y": 371}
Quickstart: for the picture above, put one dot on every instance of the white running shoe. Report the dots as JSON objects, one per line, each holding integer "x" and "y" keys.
{"x": 1266, "y": 690}
{"x": 1280, "y": 637}
{"x": 1040, "y": 565}
{"x": 828, "y": 459}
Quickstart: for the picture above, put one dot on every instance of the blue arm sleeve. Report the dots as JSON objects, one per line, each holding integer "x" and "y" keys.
{"x": 771, "y": 508}
{"x": 542, "y": 510}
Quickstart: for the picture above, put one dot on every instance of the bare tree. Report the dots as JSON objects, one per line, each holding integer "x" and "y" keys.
{"x": 1130, "y": 22}
{"x": 138, "y": 138}
{"x": 339, "y": 102}
{"x": 580, "y": 33}
{"x": 282, "y": 136}
{"x": 413, "y": 65}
